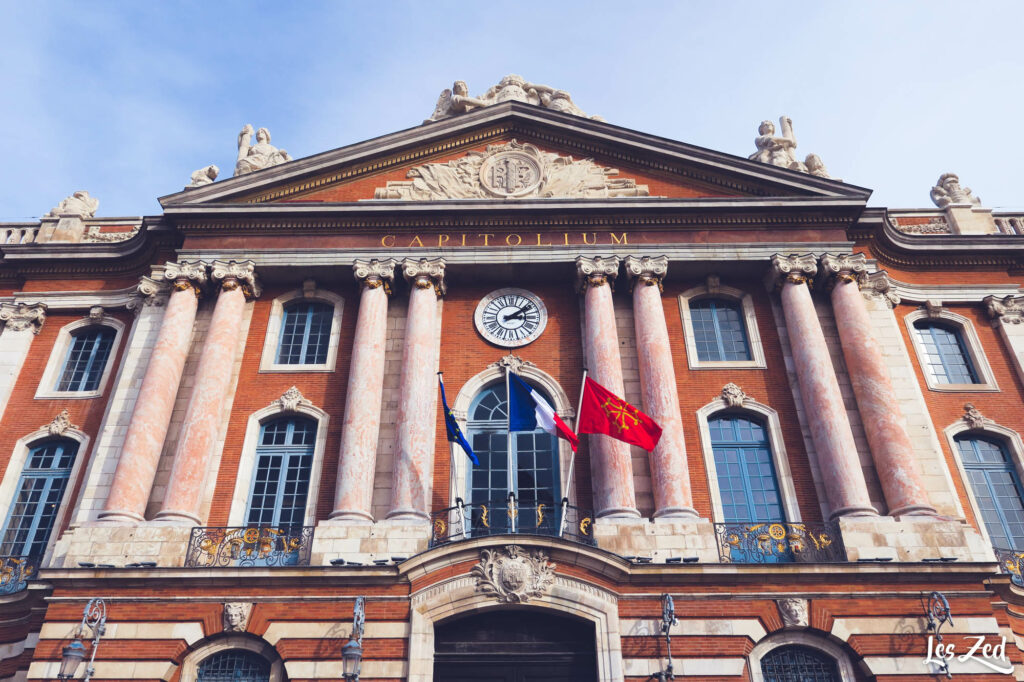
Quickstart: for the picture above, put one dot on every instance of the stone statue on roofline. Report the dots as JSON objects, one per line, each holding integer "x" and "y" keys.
{"x": 203, "y": 176}
{"x": 79, "y": 204}
{"x": 511, "y": 88}
{"x": 260, "y": 155}
{"x": 781, "y": 151}
{"x": 948, "y": 191}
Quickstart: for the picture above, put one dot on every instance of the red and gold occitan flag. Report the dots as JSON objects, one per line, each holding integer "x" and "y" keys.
{"x": 601, "y": 411}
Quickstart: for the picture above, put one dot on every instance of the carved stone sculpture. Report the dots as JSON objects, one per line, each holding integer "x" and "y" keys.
{"x": 511, "y": 171}
{"x": 513, "y": 575}
{"x": 422, "y": 273}
{"x": 933, "y": 308}
{"x": 512, "y": 363}
{"x": 794, "y": 612}
{"x": 291, "y": 399}
{"x": 646, "y": 271}
{"x": 1008, "y": 310}
{"x": 790, "y": 268}
{"x": 232, "y": 274}
{"x": 877, "y": 284}
{"x": 777, "y": 151}
{"x": 973, "y": 416}
{"x": 96, "y": 314}
{"x": 948, "y": 191}
{"x": 733, "y": 395}
{"x": 511, "y": 88}
{"x": 21, "y": 316}
{"x": 60, "y": 424}
{"x": 260, "y": 155}
{"x": 79, "y": 204}
{"x": 815, "y": 166}
{"x": 374, "y": 273}
{"x": 236, "y": 616}
{"x": 204, "y": 176}
{"x": 596, "y": 272}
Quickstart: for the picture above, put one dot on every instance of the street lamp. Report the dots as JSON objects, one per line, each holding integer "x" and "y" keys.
{"x": 668, "y": 619}
{"x": 94, "y": 617}
{"x": 352, "y": 652}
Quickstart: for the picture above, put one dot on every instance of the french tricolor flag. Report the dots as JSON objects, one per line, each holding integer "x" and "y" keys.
{"x": 527, "y": 410}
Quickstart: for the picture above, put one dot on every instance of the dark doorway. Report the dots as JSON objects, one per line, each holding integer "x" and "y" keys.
{"x": 515, "y": 646}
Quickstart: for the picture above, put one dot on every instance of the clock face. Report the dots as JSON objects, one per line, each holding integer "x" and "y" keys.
{"x": 511, "y": 317}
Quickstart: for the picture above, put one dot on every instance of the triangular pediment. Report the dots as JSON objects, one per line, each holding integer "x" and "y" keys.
{"x": 510, "y": 152}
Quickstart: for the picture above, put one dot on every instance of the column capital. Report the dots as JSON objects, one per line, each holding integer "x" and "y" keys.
{"x": 844, "y": 267}
{"x": 425, "y": 272}
{"x": 1006, "y": 310}
{"x": 876, "y": 284}
{"x": 596, "y": 272}
{"x": 148, "y": 292}
{"x": 21, "y": 316}
{"x": 231, "y": 274}
{"x": 647, "y": 271}
{"x": 375, "y": 273}
{"x": 791, "y": 268}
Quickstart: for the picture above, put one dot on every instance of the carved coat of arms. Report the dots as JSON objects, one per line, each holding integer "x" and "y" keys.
{"x": 512, "y": 574}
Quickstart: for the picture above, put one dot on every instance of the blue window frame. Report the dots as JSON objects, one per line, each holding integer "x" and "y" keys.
{"x": 40, "y": 490}
{"x": 280, "y": 484}
{"x": 945, "y": 355}
{"x": 798, "y": 664}
{"x": 305, "y": 333}
{"x": 997, "y": 489}
{"x": 719, "y": 330}
{"x": 746, "y": 472}
{"x": 86, "y": 359}
{"x": 234, "y": 665}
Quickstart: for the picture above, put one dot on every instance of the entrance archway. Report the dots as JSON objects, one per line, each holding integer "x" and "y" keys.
{"x": 515, "y": 646}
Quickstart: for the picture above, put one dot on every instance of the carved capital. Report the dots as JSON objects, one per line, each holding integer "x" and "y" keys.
{"x": 233, "y": 274}
{"x": 424, "y": 273}
{"x": 290, "y": 400}
{"x": 21, "y": 316}
{"x": 60, "y": 424}
{"x": 973, "y": 417}
{"x": 149, "y": 292}
{"x": 847, "y": 267}
{"x": 596, "y": 272}
{"x": 374, "y": 273}
{"x": 185, "y": 275}
{"x": 733, "y": 395}
{"x": 646, "y": 271}
{"x": 793, "y": 269}
{"x": 876, "y": 285}
{"x": 1006, "y": 310}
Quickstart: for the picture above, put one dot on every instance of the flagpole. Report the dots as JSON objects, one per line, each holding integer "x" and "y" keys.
{"x": 453, "y": 486}
{"x": 572, "y": 458}
{"x": 508, "y": 446}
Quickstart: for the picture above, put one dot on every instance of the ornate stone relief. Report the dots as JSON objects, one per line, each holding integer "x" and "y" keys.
{"x": 96, "y": 314}
{"x": 204, "y": 176}
{"x": 877, "y": 284}
{"x": 513, "y": 363}
{"x": 93, "y": 235}
{"x": 733, "y": 395}
{"x": 781, "y": 151}
{"x": 21, "y": 316}
{"x": 258, "y": 156}
{"x": 184, "y": 271}
{"x": 512, "y": 574}
{"x": 647, "y": 271}
{"x": 511, "y": 88}
{"x": 947, "y": 191}
{"x": 147, "y": 293}
{"x": 60, "y": 424}
{"x": 511, "y": 171}
{"x": 935, "y": 225}
{"x": 79, "y": 204}
{"x": 933, "y": 308}
{"x": 236, "y": 616}
{"x": 425, "y": 272}
{"x": 1008, "y": 310}
{"x": 596, "y": 272}
{"x": 375, "y": 273}
{"x": 232, "y": 274}
{"x": 794, "y": 612}
{"x": 790, "y": 268}
{"x": 291, "y": 399}
{"x": 850, "y": 267}
{"x": 974, "y": 418}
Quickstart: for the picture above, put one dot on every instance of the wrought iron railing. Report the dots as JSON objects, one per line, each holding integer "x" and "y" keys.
{"x": 775, "y": 543}
{"x": 509, "y": 516}
{"x": 1011, "y": 561}
{"x": 249, "y": 546}
{"x": 16, "y": 571}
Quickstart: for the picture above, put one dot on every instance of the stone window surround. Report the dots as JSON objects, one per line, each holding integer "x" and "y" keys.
{"x": 268, "y": 360}
{"x": 987, "y": 380}
{"x": 800, "y": 638}
{"x": 746, "y": 302}
{"x": 217, "y": 644}
{"x": 247, "y": 460}
{"x": 47, "y": 388}
{"x": 770, "y": 418}
{"x": 1009, "y": 438}
{"x": 16, "y": 466}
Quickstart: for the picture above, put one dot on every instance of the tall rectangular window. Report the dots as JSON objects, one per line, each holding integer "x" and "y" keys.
{"x": 945, "y": 356}
{"x": 40, "y": 491}
{"x": 86, "y": 360}
{"x": 305, "y": 334}
{"x": 718, "y": 330}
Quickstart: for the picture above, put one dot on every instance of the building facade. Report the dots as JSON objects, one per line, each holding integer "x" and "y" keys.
{"x": 224, "y": 420}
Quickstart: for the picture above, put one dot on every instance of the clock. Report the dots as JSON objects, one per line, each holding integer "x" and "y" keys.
{"x": 511, "y": 317}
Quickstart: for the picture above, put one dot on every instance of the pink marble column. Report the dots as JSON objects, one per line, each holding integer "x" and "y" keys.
{"x": 357, "y": 460}
{"x": 610, "y": 463}
{"x": 819, "y": 388}
{"x": 184, "y": 496}
{"x": 417, "y": 406}
{"x": 670, "y": 471}
{"x": 140, "y": 454}
{"x": 884, "y": 425}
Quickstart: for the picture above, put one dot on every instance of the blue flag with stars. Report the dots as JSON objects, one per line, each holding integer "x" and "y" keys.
{"x": 454, "y": 432}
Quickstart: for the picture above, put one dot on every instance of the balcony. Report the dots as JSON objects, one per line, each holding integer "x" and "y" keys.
{"x": 779, "y": 543}
{"x": 1010, "y": 561}
{"x": 214, "y": 547}
{"x": 15, "y": 572}
{"x": 508, "y": 516}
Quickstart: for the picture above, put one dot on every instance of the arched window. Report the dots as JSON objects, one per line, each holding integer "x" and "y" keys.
{"x": 86, "y": 359}
{"x": 40, "y": 490}
{"x": 944, "y": 353}
{"x": 798, "y": 664}
{"x": 718, "y": 330}
{"x": 532, "y": 458}
{"x": 305, "y": 333}
{"x": 280, "y": 484}
{"x": 746, "y": 474}
{"x": 996, "y": 487}
{"x": 234, "y": 665}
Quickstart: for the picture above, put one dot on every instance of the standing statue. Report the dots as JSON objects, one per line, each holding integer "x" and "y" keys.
{"x": 510, "y": 88}
{"x": 203, "y": 176}
{"x": 79, "y": 203}
{"x": 948, "y": 191}
{"x": 778, "y": 151}
{"x": 260, "y": 155}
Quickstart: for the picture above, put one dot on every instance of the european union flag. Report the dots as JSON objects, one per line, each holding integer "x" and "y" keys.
{"x": 454, "y": 432}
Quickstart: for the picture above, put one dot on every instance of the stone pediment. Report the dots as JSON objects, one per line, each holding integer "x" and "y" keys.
{"x": 511, "y": 171}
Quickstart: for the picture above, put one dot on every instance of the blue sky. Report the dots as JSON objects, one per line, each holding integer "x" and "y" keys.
{"x": 126, "y": 99}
